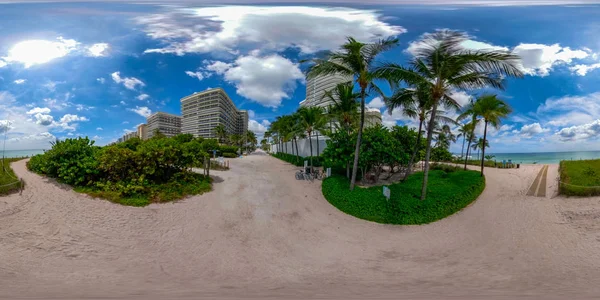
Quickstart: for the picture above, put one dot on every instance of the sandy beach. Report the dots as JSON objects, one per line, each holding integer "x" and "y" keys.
{"x": 262, "y": 234}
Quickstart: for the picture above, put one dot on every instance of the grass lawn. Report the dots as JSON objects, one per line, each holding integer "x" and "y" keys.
{"x": 448, "y": 192}
{"x": 8, "y": 178}
{"x": 580, "y": 177}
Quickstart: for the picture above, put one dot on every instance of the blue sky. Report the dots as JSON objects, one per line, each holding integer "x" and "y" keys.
{"x": 96, "y": 69}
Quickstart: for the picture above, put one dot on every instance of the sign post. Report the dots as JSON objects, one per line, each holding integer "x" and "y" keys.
{"x": 386, "y": 192}
{"x": 328, "y": 172}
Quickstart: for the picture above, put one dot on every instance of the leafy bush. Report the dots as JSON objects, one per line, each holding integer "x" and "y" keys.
{"x": 229, "y": 155}
{"x": 579, "y": 178}
{"x": 228, "y": 149}
{"x": 441, "y": 154}
{"x": 132, "y": 173}
{"x": 448, "y": 192}
{"x": 71, "y": 161}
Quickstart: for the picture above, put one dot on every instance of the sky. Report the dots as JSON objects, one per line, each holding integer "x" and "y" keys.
{"x": 98, "y": 69}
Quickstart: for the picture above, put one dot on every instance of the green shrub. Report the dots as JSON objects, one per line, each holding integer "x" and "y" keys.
{"x": 579, "y": 178}
{"x": 448, "y": 192}
{"x": 131, "y": 173}
{"x": 230, "y": 155}
{"x": 71, "y": 161}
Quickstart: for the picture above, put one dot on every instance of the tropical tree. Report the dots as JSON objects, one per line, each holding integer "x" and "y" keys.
{"x": 492, "y": 110}
{"x": 251, "y": 140}
{"x": 479, "y": 146}
{"x": 443, "y": 65}
{"x": 221, "y": 133}
{"x": 236, "y": 140}
{"x": 354, "y": 59}
{"x": 345, "y": 107}
{"x": 309, "y": 118}
{"x": 463, "y": 131}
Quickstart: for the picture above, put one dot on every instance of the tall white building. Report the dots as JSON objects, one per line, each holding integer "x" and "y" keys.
{"x": 204, "y": 111}
{"x": 316, "y": 88}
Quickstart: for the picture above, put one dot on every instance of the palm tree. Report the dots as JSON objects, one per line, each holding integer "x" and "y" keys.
{"x": 479, "y": 146}
{"x": 463, "y": 132}
{"x": 445, "y": 136}
{"x": 308, "y": 118}
{"x": 354, "y": 59}
{"x": 415, "y": 103}
{"x": 345, "y": 108}
{"x": 491, "y": 109}
{"x": 443, "y": 65}
{"x": 221, "y": 133}
{"x": 236, "y": 139}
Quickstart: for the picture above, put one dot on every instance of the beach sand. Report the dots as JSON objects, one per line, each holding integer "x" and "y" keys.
{"x": 262, "y": 234}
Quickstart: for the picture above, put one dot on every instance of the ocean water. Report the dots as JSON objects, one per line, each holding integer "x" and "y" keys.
{"x": 21, "y": 153}
{"x": 543, "y": 157}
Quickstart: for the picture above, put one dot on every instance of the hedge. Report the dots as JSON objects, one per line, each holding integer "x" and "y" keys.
{"x": 9, "y": 183}
{"x": 449, "y": 191}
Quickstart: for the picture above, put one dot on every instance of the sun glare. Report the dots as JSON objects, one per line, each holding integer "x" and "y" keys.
{"x": 34, "y": 52}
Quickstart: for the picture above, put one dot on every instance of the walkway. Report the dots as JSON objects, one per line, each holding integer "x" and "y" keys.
{"x": 538, "y": 187}
{"x": 263, "y": 234}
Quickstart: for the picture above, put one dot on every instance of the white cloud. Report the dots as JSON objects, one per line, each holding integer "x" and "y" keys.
{"x": 39, "y": 110}
{"x": 532, "y": 129}
{"x": 57, "y": 104}
{"x": 377, "y": 102}
{"x": 20, "y": 81}
{"x": 122, "y": 102}
{"x": 42, "y": 119}
{"x": 224, "y": 28}
{"x": 582, "y": 70}
{"x": 580, "y": 132}
{"x": 2, "y": 63}
{"x": 142, "y": 111}
{"x": 32, "y": 52}
{"x": 99, "y": 129}
{"x": 570, "y": 110}
{"x": 218, "y": 67}
{"x": 82, "y": 107}
{"x": 142, "y": 97}
{"x": 197, "y": 74}
{"x": 265, "y": 80}
{"x": 258, "y": 128}
{"x": 536, "y": 59}
{"x": 51, "y": 85}
{"x": 101, "y": 80}
{"x": 68, "y": 118}
{"x": 99, "y": 49}
{"x": 128, "y": 82}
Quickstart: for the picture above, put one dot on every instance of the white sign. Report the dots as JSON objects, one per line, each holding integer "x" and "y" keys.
{"x": 386, "y": 192}
{"x": 328, "y": 172}
{"x": 306, "y": 164}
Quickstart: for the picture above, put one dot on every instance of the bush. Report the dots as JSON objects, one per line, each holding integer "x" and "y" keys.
{"x": 230, "y": 155}
{"x": 71, "y": 161}
{"x": 132, "y": 173}
{"x": 448, "y": 192}
{"x": 579, "y": 178}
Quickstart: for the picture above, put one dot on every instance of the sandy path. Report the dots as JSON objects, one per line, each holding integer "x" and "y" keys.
{"x": 262, "y": 233}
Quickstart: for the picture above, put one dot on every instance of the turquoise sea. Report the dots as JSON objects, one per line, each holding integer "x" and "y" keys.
{"x": 21, "y": 153}
{"x": 543, "y": 157}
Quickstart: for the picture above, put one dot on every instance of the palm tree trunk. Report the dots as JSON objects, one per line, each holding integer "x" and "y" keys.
{"x": 311, "y": 152}
{"x": 428, "y": 152}
{"x": 463, "y": 147}
{"x": 468, "y": 148}
{"x": 414, "y": 154}
{"x": 358, "y": 138}
{"x": 483, "y": 148}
